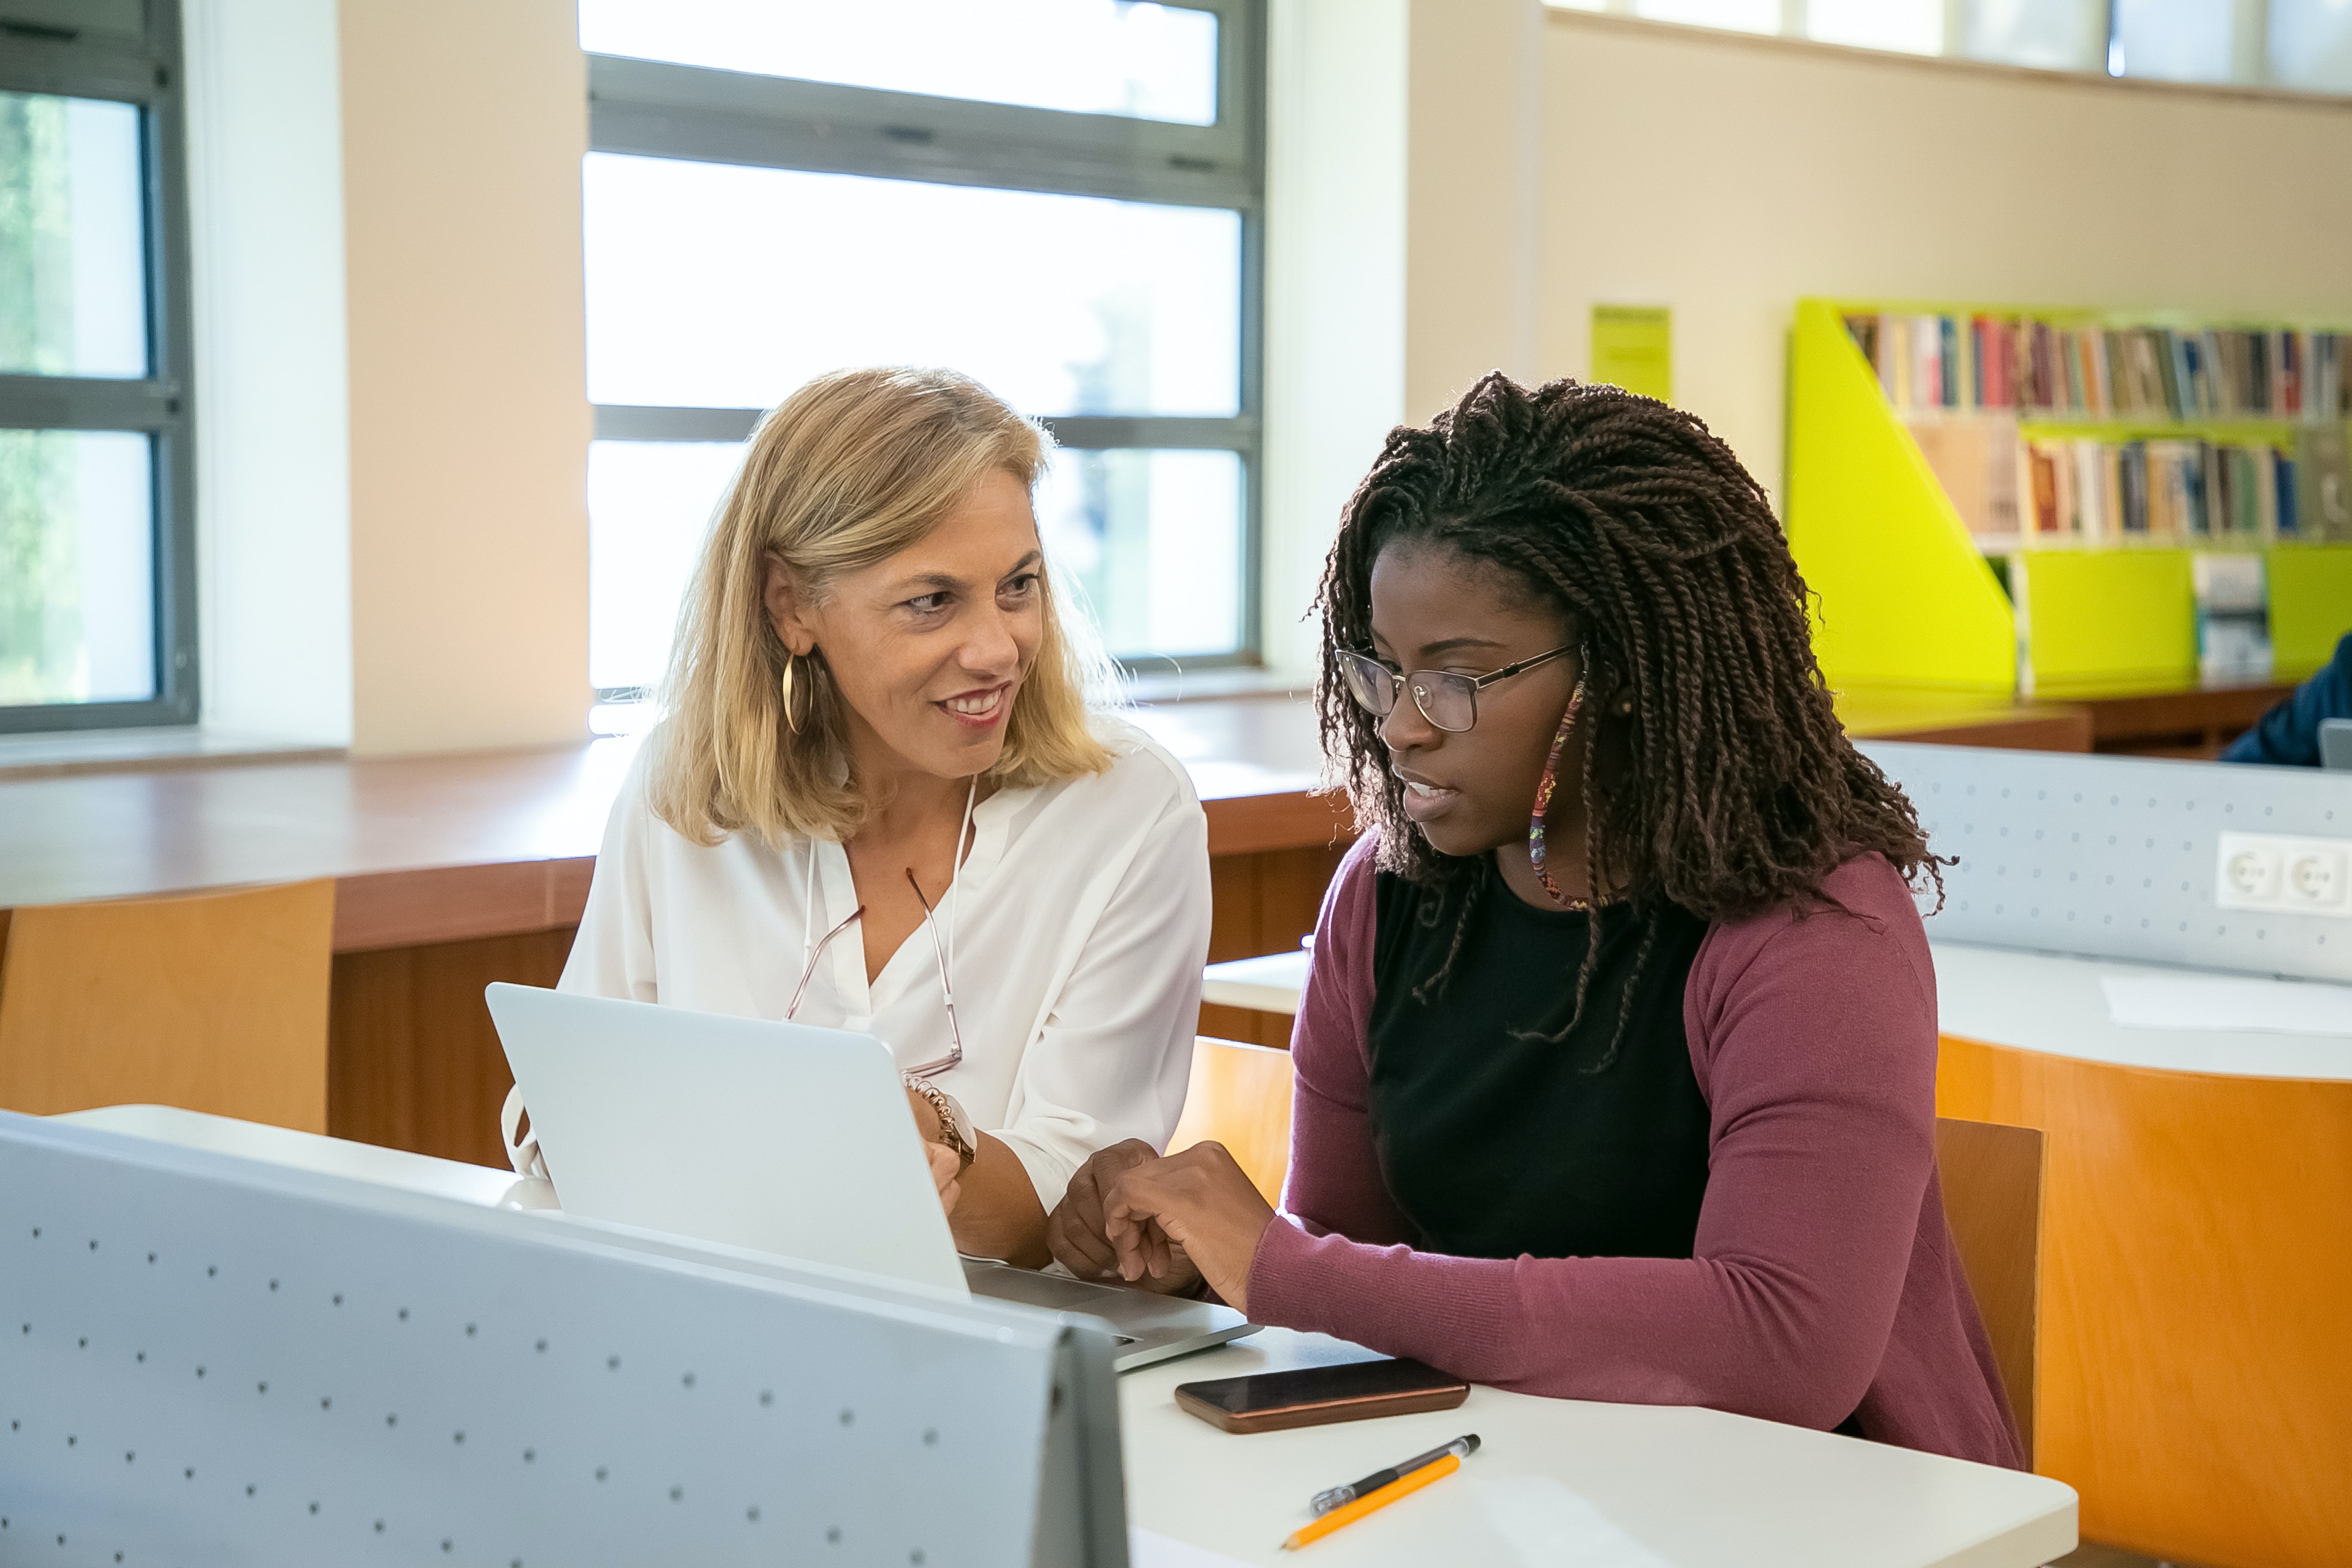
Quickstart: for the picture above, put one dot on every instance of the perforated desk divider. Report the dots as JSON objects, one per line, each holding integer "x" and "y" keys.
{"x": 2116, "y": 857}
{"x": 205, "y": 1359}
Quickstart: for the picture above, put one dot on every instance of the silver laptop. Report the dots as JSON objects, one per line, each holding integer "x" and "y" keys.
{"x": 778, "y": 1138}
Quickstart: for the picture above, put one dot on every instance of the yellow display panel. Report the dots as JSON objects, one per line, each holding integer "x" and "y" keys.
{"x": 2311, "y": 605}
{"x": 2098, "y": 622}
{"x": 1904, "y": 598}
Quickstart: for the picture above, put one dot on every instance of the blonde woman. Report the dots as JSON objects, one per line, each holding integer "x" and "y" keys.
{"x": 882, "y": 801}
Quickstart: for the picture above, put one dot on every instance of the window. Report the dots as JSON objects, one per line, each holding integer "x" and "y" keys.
{"x": 97, "y": 561}
{"x": 2302, "y": 44}
{"x": 1912, "y": 26}
{"x": 2174, "y": 40}
{"x": 1059, "y": 197}
{"x": 2311, "y": 44}
{"x": 2053, "y": 34}
{"x": 1741, "y": 15}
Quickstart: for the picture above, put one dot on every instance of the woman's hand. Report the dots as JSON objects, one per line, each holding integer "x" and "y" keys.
{"x": 1075, "y": 1230}
{"x": 947, "y": 1166}
{"x": 1199, "y": 1201}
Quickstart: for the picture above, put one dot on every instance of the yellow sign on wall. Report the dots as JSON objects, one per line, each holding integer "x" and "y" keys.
{"x": 1633, "y": 348}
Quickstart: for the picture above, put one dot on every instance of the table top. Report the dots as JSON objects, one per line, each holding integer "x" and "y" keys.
{"x": 1963, "y": 718}
{"x": 2055, "y": 1004}
{"x": 444, "y": 848}
{"x": 2047, "y": 1002}
{"x": 1269, "y": 984}
{"x": 423, "y": 849}
{"x": 1556, "y": 1480}
{"x": 1570, "y": 1481}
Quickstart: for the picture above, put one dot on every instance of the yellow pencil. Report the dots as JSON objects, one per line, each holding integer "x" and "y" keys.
{"x": 1404, "y": 1486}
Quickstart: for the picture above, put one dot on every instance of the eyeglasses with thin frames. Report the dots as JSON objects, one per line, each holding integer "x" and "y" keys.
{"x": 954, "y": 1058}
{"x": 1446, "y": 700}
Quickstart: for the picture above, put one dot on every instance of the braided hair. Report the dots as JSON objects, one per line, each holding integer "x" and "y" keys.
{"x": 1731, "y": 786}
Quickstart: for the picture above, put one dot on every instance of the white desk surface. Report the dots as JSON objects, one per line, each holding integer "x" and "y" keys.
{"x": 1558, "y": 1482}
{"x": 2034, "y": 1001}
{"x": 2054, "y": 1004}
{"x": 1567, "y": 1482}
{"x": 1268, "y": 985}
{"x": 311, "y": 1152}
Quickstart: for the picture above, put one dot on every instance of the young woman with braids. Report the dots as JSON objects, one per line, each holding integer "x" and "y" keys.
{"x": 1616, "y": 1061}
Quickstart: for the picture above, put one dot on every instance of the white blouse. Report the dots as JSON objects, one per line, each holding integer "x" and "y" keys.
{"x": 1080, "y": 926}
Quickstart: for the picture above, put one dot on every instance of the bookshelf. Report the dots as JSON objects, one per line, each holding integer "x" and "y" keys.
{"x": 2037, "y": 524}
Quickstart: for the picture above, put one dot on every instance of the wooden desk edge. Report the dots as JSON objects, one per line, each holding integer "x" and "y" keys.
{"x": 420, "y": 905}
{"x": 458, "y": 902}
{"x": 2062, "y": 727}
{"x": 1290, "y": 820}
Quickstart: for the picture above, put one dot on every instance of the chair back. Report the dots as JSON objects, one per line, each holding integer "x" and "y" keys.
{"x": 1240, "y": 1097}
{"x": 213, "y": 1002}
{"x": 1991, "y": 1178}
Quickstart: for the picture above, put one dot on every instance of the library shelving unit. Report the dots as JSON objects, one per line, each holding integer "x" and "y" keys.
{"x": 1908, "y": 595}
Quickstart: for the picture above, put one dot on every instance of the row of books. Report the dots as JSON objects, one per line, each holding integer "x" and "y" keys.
{"x": 1973, "y": 363}
{"x": 2007, "y": 485}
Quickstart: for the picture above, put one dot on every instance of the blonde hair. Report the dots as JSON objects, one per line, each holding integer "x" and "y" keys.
{"x": 849, "y": 470}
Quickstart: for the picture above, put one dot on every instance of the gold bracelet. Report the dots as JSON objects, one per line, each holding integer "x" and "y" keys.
{"x": 950, "y": 1133}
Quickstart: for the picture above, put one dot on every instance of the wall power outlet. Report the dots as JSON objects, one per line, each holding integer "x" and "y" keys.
{"x": 2290, "y": 876}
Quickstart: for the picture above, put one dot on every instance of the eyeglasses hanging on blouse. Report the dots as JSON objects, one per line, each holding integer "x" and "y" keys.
{"x": 943, "y": 949}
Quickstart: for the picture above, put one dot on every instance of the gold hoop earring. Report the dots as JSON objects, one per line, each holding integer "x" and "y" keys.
{"x": 791, "y": 718}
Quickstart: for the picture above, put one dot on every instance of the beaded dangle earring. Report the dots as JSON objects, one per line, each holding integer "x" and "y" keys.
{"x": 1543, "y": 802}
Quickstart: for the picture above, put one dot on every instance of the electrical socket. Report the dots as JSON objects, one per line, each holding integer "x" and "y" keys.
{"x": 2297, "y": 876}
{"x": 2314, "y": 877}
{"x": 2250, "y": 872}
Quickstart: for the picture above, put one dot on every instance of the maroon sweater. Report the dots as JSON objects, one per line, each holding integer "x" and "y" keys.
{"x": 1823, "y": 1283}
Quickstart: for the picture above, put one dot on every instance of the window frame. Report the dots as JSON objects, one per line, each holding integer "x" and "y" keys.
{"x": 654, "y": 109}
{"x": 145, "y": 70}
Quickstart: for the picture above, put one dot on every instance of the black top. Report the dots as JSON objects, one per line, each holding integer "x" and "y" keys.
{"x": 1495, "y": 1139}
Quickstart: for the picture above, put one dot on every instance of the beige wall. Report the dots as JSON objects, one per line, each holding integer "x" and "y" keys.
{"x": 1474, "y": 181}
{"x": 1402, "y": 214}
{"x": 463, "y": 127}
{"x": 1728, "y": 177}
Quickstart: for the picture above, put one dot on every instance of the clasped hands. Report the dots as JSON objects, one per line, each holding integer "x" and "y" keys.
{"x": 1162, "y": 1224}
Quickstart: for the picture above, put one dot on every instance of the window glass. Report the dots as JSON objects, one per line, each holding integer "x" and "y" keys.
{"x": 2055, "y": 35}
{"x": 2311, "y": 44}
{"x": 1912, "y": 26}
{"x": 715, "y": 285}
{"x": 650, "y": 506}
{"x": 1094, "y": 57}
{"x": 1154, "y": 542}
{"x": 72, "y": 252}
{"x": 1746, "y": 16}
{"x": 1149, "y": 544}
{"x": 77, "y": 566}
{"x": 2174, "y": 40}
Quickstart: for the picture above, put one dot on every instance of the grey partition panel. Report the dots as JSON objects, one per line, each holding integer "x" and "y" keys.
{"x": 208, "y": 1361}
{"x": 2116, "y": 857}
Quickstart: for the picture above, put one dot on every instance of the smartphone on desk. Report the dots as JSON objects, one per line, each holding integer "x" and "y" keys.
{"x": 1314, "y": 1395}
